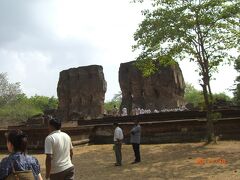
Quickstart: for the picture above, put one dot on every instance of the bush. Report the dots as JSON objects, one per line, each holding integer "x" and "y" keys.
{"x": 23, "y": 107}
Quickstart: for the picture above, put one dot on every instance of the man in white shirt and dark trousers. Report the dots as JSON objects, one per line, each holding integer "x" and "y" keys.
{"x": 58, "y": 150}
{"x": 135, "y": 136}
{"x": 118, "y": 137}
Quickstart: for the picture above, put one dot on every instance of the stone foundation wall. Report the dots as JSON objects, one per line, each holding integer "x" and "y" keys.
{"x": 174, "y": 127}
{"x": 36, "y": 136}
{"x": 171, "y": 131}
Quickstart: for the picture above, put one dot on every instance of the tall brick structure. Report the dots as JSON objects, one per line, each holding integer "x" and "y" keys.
{"x": 81, "y": 92}
{"x": 164, "y": 89}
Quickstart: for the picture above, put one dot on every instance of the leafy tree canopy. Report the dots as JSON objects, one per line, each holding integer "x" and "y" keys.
{"x": 194, "y": 96}
{"x": 198, "y": 30}
{"x": 236, "y": 91}
{"x": 202, "y": 31}
{"x": 8, "y": 91}
{"x": 16, "y": 106}
{"x": 116, "y": 101}
{"x": 44, "y": 102}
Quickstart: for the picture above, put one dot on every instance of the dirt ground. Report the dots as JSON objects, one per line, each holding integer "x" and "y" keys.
{"x": 163, "y": 161}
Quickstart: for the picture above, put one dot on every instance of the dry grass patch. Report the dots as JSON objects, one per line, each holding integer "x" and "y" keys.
{"x": 163, "y": 161}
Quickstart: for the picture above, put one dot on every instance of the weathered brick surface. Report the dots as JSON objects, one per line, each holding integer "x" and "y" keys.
{"x": 81, "y": 92}
{"x": 163, "y": 116}
{"x": 156, "y": 128}
{"x": 163, "y": 89}
{"x": 172, "y": 131}
{"x": 36, "y": 136}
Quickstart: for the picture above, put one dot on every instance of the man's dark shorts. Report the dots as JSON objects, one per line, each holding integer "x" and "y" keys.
{"x": 67, "y": 174}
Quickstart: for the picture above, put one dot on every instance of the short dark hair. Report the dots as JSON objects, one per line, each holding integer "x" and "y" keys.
{"x": 115, "y": 124}
{"x": 136, "y": 120}
{"x": 18, "y": 139}
{"x": 56, "y": 123}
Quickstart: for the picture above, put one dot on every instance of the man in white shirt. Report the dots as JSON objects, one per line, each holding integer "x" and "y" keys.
{"x": 58, "y": 150}
{"x": 118, "y": 137}
{"x": 124, "y": 111}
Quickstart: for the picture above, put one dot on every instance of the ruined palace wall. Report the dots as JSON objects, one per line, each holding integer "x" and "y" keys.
{"x": 156, "y": 128}
{"x": 163, "y": 89}
{"x": 81, "y": 93}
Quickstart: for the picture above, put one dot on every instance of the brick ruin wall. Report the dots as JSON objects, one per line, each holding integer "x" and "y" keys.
{"x": 156, "y": 128}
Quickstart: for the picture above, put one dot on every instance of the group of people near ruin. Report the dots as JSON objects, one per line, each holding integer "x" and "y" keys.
{"x": 58, "y": 149}
{"x": 59, "y": 152}
{"x": 138, "y": 111}
{"x": 135, "y": 137}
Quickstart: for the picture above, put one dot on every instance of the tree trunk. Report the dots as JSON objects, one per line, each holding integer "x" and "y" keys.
{"x": 209, "y": 111}
{"x": 210, "y": 127}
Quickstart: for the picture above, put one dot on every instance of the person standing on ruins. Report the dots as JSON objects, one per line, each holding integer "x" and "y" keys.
{"x": 135, "y": 136}
{"x": 58, "y": 150}
{"x": 115, "y": 111}
{"x": 124, "y": 112}
{"x": 118, "y": 137}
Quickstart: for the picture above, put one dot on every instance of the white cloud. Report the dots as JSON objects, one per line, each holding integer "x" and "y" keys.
{"x": 40, "y": 38}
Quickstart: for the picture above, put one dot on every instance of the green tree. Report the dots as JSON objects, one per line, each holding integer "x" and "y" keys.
{"x": 116, "y": 101}
{"x": 202, "y": 31}
{"x": 192, "y": 95}
{"x": 8, "y": 91}
{"x": 52, "y": 103}
{"x": 221, "y": 97}
{"x": 43, "y": 102}
{"x": 22, "y": 107}
{"x": 18, "y": 111}
{"x": 16, "y": 106}
{"x": 117, "y": 97}
{"x": 236, "y": 91}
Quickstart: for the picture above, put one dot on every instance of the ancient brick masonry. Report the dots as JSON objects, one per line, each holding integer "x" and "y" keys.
{"x": 81, "y": 93}
{"x": 164, "y": 89}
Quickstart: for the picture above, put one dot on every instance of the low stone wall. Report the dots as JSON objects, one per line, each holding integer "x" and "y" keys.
{"x": 171, "y": 131}
{"x": 167, "y": 127}
{"x": 156, "y": 117}
{"x": 156, "y": 128}
{"x": 36, "y": 136}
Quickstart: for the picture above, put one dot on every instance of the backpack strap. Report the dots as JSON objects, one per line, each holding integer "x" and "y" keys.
{"x": 14, "y": 171}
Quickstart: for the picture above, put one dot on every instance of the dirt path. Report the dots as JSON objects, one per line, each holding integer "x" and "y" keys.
{"x": 163, "y": 161}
